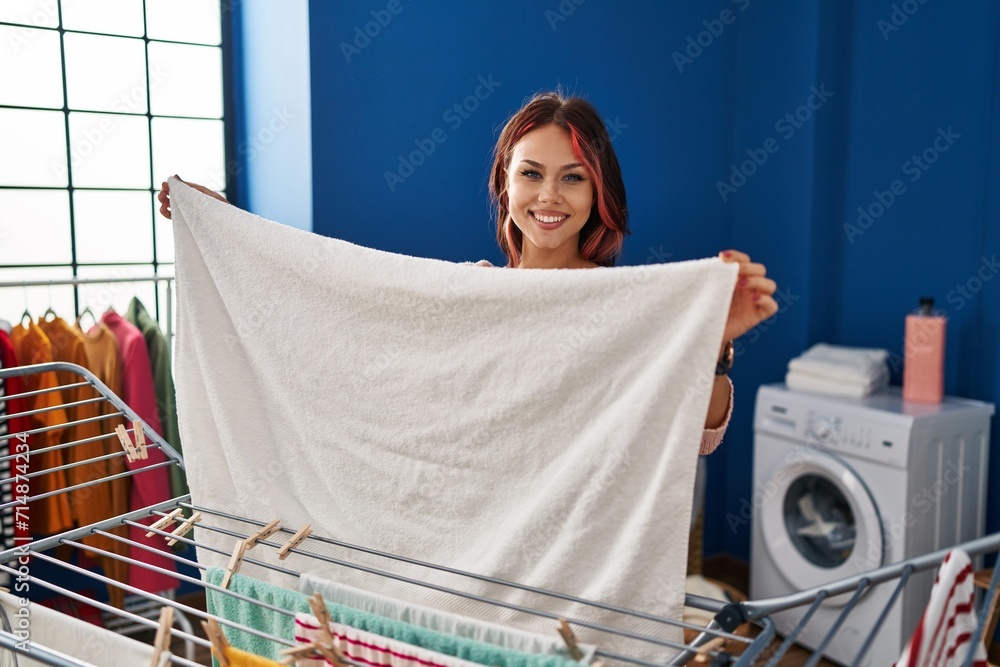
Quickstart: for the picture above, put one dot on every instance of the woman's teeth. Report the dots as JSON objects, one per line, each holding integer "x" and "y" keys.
{"x": 549, "y": 219}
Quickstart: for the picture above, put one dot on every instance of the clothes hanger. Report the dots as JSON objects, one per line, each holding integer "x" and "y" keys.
{"x": 49, "y": 311}
{"x": 86, "y": 311}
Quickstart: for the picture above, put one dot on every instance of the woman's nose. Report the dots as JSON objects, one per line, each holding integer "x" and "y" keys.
{"x": 549, "y": 192}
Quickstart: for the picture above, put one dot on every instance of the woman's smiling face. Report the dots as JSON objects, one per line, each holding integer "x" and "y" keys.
{"x": 550, "y": 194}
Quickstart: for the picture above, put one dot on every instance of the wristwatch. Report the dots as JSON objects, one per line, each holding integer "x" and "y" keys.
{"x": 725, "y": 362}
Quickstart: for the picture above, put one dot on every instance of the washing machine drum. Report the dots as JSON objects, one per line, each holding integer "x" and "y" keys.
{"x": 820, "y": 522}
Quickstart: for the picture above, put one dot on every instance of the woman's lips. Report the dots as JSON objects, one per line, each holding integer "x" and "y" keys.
{"x": 549, "y": 219}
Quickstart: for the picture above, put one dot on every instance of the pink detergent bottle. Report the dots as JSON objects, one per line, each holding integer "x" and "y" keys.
{"x": 923, "y": 370}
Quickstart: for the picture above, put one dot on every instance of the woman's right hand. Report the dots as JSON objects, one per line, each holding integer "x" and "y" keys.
{"x": 164, "y": 196}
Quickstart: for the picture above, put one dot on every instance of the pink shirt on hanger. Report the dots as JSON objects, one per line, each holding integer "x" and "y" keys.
{"x": 153, "y": 486}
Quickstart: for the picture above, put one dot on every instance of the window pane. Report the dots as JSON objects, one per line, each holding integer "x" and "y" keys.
{"x": 30, "y": 67}
{"x": 164, "y": 233}
{"x": 33, "y": 146}
{"x": 34, "y": 227}
{"x": 36, "y": 300}
{"x": 185, "y": 80}
{"x": 184, "y": 20}
{"x": 118, "y": 17}
{"x": 112, "y": 226}
{"x": 101, "y": 296}
{"x": 42, "y": 13}
{"x": 191, "y": 148}
{"x": 109, "y": 151}
{"x": 105, "y": 73}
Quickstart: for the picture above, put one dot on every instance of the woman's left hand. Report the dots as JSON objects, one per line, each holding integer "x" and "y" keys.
{"x": 752, "y": 299}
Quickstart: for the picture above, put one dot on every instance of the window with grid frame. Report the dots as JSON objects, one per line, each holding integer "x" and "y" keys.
{"x": 100, "y": 101}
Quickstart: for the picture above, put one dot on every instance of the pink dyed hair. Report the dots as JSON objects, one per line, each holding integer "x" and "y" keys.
{"x": 604, "y": 232}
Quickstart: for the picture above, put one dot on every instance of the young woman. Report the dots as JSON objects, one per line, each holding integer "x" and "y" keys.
{"x": 561, "y": 204}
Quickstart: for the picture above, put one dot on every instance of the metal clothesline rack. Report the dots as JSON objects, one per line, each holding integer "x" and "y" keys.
{"x": 719, "y": 643}
{"x": 75, "y": 282}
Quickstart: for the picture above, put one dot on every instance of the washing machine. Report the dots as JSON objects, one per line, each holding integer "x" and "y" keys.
{"x": 846, "y": 485}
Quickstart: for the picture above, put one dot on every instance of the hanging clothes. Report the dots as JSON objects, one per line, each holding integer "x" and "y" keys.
{"x": 368, "y": 648}
{"x": 52, "y": 514}
{"x": 93, "y": 503}
{"x": 101, "y": 348}
{"x": 9, "y": 427}
{"x": 152, "y": 486}
{"x": 159, "y": 356}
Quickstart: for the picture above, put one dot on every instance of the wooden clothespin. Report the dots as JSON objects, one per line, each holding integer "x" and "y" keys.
{"x": 165, "y": 521}
{"x": 294, "y": 542}
{"x": 218, "y": 638}
{"x": 140, "y": 440}
{"x": 234, "y": 562}
{"x": 184, "y": 528}
{"x": 131, "y": 453}
{"x": 162, "y": 642}
{"x": 263, "y": 533}
{"x": 333, "y": 653}
{"x": 705, "y": 649}
{"x": 567, "y": 634}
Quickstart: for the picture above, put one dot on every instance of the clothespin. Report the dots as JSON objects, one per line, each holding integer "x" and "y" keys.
{"x": 164, "y": 521}
{"x": 184, "y": 528}
{"x": 570, "y": 639}
{"x": 333, "y": 653}
{"x": 162, "y": 642}
{"x": 263, "y": 534}
{"x": 140, "y": 440}
{"x": 705, "y": 649}
{"x": 218, "y": 638}
{"x": 130, "y": 451}
{"x": 234, "y": 562}
{"x": 294, "y": 542}
{"x": 322, "y": 614}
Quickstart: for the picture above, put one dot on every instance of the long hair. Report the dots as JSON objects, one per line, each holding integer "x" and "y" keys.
{"x": 602, "y": 235}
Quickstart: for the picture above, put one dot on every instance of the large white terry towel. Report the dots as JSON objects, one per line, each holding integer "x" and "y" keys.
{"x": 540, "y": 426}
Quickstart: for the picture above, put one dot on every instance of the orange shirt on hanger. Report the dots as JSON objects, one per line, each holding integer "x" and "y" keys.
{"x": 48, "y": 515}
{"x": 93, "y": 503}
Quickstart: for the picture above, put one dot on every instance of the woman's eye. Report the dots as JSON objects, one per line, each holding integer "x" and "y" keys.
{"x": 575, "y": 177}
{"x": 530, "y": 173}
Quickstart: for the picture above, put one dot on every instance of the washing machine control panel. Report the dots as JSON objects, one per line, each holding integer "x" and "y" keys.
{"x": 831, "y": 431}
{"x": 857, "y": 437}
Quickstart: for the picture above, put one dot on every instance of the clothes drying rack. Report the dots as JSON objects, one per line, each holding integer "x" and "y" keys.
{"x": 717, "y": 644}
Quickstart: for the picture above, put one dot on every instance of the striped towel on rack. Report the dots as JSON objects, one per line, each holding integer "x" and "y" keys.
{"x": 537, "y": 426}
{"x": 943, "y": 636}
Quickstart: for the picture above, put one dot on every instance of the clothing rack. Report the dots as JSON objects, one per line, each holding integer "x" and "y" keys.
{"x": 168, "y": 280}
{"x": 717, "y": 644}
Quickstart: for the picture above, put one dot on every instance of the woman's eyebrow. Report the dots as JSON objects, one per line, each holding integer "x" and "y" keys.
{"x": 571, "y": 165}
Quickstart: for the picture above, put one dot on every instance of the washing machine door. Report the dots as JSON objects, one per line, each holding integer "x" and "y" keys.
{"x": 821, "y": 522}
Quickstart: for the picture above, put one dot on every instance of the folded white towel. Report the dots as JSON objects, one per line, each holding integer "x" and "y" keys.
{"x": 803, "y": 381}
{"x": 841, "y": 363}
{"x": 540, "y": 426}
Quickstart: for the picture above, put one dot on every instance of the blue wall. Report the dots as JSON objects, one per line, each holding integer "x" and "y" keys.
{"x": 879, "y": 96}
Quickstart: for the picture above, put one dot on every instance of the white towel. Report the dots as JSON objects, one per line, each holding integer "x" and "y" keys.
{"x": 943, "y": 635}
{"x": 72, "y": 637}
{"x": 541, "y": 426}
{"x": 803, "y": 381}
{"x": 440, "y": 621}
{"x": 838, "y": 362}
